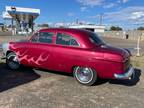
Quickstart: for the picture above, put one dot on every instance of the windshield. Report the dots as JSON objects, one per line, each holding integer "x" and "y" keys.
{"x": 96, "y": 40}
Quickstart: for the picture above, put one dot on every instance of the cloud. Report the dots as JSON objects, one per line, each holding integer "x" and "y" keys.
{"x": 83, "y": 9}
{"x": 125, "y": 1}
{"x": 109, "y": 5}
{"x": 137, "y": 15}
{"x": 103, "y": 3}
{"x": 129, "y": 15}
{"x": 91, "y": 3}
{"x": 122, "y": 1}
{"x": 70, "y": 14}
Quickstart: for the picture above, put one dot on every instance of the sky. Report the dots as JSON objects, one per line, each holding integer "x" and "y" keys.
{"x": 125, "y": 13}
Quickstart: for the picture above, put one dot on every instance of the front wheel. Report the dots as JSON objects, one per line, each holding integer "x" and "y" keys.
{"x": 12, "y": 61}
{"x": 85, "y": 75}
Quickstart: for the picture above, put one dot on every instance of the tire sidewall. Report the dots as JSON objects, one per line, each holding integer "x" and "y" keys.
{"x": 11, "y": 54}
{"x": 93, "y": 80}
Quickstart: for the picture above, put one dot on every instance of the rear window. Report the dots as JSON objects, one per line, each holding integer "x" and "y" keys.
{"x": 95, "y": 39}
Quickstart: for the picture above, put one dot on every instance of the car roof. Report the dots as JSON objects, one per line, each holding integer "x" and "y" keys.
{"x": 68, "y": 30}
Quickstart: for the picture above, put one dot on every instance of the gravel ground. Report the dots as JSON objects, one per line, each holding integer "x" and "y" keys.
{"x": 28, "y": 88}
{"x": 33, "y": 88}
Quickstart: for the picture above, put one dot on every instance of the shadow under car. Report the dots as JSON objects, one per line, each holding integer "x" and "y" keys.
{"x": 10, "y": 78}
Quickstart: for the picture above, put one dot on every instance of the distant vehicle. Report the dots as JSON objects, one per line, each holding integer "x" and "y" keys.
{"x": 75, "y": 51}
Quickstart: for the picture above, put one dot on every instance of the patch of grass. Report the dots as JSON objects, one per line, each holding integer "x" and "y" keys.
{"x": 1, "y": 61}
{"x": 138, "y": 61}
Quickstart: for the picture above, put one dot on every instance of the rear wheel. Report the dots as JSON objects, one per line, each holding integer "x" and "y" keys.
{"x": 85, "y": 75}
{"x": 12, "y": 61}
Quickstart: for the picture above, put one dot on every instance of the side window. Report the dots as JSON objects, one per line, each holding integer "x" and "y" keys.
{"x": 64, "y": 39}
{"x": 43, "y": 37}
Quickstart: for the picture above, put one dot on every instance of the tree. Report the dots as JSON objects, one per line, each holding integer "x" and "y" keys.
{"x": 43, "y": 25}
{"x": 140, "y": 28}
{"x": 114, "y": 28}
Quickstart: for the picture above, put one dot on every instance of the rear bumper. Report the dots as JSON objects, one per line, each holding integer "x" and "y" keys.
{"x": 127, "y": 75}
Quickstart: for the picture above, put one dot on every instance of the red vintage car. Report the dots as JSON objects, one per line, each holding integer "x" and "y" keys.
{"x": 75, "y": 51}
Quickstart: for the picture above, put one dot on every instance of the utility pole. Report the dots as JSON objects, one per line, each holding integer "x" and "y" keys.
{"x": 77, "y": 21}
{"x": 101, "y": 19}
{"x": 138, "y": 46}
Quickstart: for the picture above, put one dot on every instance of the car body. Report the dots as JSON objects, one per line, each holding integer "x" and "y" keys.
{"x": 73, "y": 51}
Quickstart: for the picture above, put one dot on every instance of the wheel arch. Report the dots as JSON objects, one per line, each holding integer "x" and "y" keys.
{"x": 9, "y": 51}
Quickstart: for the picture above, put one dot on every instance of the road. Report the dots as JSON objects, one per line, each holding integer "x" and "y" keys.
{"x": 122, "y": 43}
{"x": 33, "y": 88}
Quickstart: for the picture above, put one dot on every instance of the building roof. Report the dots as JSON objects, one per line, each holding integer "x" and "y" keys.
{"x": 1, "y": 24}
{"x": 88, "y": 26}
{"x": 21, "y": 13}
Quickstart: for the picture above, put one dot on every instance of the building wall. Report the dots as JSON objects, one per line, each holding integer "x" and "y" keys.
{"x": 0, "y": 28}
{"x": 6, "y": 33}
{"x": 133, "y": 35}
{"x": 94, "y": 28}
{"x": 99, "y": 30}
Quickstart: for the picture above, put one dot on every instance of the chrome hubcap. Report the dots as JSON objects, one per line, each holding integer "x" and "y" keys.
{"x": 84, "y": 75}
{"x": 13, "y": 62}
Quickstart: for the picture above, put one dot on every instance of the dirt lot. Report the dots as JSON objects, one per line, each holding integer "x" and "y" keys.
{"x": 31, "y": 88}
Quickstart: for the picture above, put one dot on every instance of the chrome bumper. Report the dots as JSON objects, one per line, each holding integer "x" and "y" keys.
{"x": 127, "y": 75}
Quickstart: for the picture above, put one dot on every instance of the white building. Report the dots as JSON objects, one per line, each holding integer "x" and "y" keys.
{"x": 94, "y": 28}
{"x": 22, "y": 18}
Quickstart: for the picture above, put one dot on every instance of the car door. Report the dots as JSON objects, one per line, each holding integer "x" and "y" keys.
{"x": 65, "y": 52}
{"x": 39, "y": 50}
